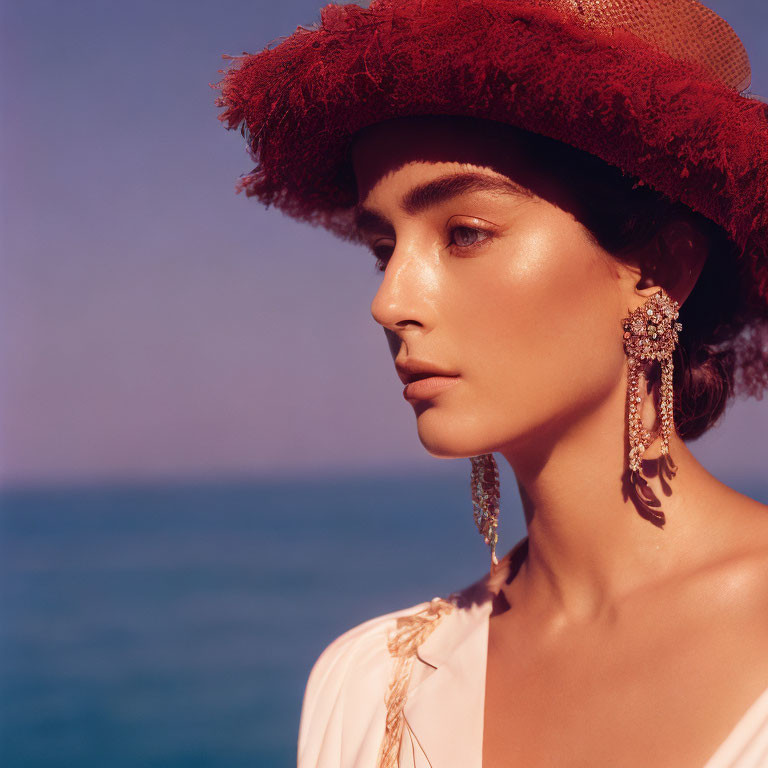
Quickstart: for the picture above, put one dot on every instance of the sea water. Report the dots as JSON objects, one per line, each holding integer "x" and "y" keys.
{"x": 175, "y": 625}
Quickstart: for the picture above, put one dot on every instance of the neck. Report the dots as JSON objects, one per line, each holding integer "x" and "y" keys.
{"x": 588, "y": 546}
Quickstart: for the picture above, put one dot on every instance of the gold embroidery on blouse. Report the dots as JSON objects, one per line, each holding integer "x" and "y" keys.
{"x": 410, "y": 632}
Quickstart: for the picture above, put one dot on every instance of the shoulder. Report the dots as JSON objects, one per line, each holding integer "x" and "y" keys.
{"x": 346, "y": 691}
{"x": 360, "y": 646}
{"x": 733, "y": 585}
{"x": 343, "y": 713}
{"x": 746, "y": 570}
{"x": 747, "y": 582}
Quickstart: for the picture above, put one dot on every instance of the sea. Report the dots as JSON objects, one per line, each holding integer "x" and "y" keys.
{"x": 174, "y": 624}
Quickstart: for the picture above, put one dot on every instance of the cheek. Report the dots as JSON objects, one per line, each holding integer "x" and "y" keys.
{"x": 541, "y": 317}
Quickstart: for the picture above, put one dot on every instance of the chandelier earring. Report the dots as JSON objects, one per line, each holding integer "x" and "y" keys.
{"x": 485, "y": 500}
{"x": 650, "y": 334}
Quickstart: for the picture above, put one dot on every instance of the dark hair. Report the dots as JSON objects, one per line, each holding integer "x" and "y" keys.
{"x": 723, "y": 347}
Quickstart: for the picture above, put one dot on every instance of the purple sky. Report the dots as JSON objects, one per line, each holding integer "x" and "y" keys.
{"x": 154, "y": 324}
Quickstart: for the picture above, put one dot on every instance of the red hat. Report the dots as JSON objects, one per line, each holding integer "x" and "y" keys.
{"x": 657, "y": 89}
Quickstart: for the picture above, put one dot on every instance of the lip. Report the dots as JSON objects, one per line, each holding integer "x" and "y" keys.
{"x": 423, "y": 389}
{"x": 410, "y": 368}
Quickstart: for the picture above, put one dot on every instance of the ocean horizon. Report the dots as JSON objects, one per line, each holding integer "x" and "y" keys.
{"x": 175, "y": 624}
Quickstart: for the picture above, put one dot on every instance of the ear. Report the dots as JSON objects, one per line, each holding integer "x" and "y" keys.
{"x": 672, "y": 260}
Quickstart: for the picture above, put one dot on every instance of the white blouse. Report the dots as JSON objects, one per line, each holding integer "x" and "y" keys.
{"x": 343, "y": 712}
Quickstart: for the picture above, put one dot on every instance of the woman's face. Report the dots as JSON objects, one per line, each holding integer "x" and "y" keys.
{"x": 503, "y": 288}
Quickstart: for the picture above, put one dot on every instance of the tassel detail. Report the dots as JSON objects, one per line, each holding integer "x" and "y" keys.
{"x": 650, "y": 333}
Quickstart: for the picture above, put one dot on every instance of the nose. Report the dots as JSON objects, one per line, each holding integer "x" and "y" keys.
{"x": 403, "y": 299}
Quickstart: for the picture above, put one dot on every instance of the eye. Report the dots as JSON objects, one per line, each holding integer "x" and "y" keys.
{"x": 468, "y": 237}
{"x": 382, "y": 254}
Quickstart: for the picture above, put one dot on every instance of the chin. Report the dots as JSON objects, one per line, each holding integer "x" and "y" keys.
{"x": 446, "y": 438}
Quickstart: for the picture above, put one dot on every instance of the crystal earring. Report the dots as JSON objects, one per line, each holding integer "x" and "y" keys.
{"x": 485, "y": 499}
{"x": 650, "y": 333}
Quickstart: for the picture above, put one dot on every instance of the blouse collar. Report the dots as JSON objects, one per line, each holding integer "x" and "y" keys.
{"x": 444, "y": 706}
{"x": 445, "y": 703}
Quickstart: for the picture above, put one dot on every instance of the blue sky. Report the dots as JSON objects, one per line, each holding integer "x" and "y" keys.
{"x": 153, "y": 323}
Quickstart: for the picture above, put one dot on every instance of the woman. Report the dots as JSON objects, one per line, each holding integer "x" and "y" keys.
{"x": 570, "y": 212}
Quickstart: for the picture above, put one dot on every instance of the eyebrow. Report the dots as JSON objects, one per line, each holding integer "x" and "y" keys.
{"x": 439, "y": 190}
